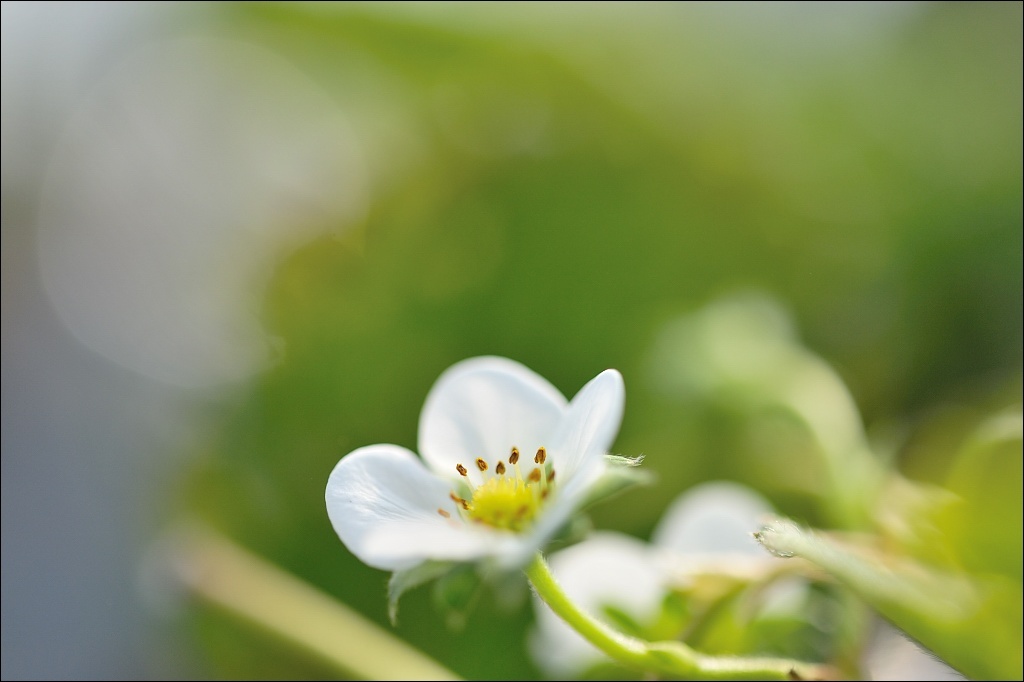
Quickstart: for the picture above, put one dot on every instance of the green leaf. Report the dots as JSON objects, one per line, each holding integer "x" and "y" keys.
{"x": 972, "y": 622}
{"x": 404, "y": 580}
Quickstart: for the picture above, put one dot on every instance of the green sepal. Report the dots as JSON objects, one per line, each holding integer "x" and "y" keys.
{"x": 456, "y": 592}
{"x": 621, "y": 474}
{"x": 406, "y": 579}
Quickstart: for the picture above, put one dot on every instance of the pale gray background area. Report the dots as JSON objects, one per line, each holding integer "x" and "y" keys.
{"x": 84, "y": 441}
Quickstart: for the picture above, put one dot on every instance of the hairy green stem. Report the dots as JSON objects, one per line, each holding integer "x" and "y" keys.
{"x": 674, "y": 659}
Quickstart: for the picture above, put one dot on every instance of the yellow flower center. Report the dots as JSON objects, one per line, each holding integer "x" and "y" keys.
{"x": 506, "y": 499}
{"x": 503, "y": 502}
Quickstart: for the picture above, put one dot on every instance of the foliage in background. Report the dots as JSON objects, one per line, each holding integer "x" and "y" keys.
{"x": 558, "y": 186}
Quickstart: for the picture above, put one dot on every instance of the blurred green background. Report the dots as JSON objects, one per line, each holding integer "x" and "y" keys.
{"x": 556, "y": 183}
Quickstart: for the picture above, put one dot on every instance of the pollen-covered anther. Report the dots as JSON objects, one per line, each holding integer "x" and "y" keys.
{"x": 443, "y": 513}
{"x": 505, "y": 497}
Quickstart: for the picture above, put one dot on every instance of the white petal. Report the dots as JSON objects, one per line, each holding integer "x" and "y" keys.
{"x": 606, "y": 569}
{"x": 590, "y": 425}
{"x": 557, "y": 510}
{"x": 482, "y": 407}
{"x": 383, "y": 502}
{"x": 713, "y": 519}
{"x": 585, "y": 433}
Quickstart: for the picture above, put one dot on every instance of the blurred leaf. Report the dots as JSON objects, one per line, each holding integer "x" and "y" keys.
{"x": 623, "y": 621}
{"x": 743, "y": 350}
{"x": 973, "y": 624}
{"x": 987, "y": 529}
{"x": 672, "y": 617}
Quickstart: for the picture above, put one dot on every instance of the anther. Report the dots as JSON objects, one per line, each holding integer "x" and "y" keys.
{"x": 443, "y": 513}
{"x": 499, "y": 468}
{"x": 535, "y": 476}
{"x": 513, "y": 459}
{"x": 541, "y": 455}
{"x": 459, "y": 501}
{"x": 551, "y": 475}
{"x": 481, "y": 464}
{"x": 461, "y": 469}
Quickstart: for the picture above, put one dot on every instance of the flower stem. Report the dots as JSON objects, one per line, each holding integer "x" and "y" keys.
{"x": 669, "y": 658}
{"x": 250, "y": 588}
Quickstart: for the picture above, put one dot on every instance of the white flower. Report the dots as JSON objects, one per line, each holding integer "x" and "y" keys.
{"x": 708, "y": 529}
{"x": 705, "y": 530}
{"x": 506, "y": 462}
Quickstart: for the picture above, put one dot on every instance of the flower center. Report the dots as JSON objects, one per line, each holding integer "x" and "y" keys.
{"x": 506, "y": 499}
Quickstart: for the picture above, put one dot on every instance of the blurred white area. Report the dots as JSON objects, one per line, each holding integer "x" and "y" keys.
{"x": 179, "y": 183}
{"x": 893, "y": 656}
{"x": 712, "y": 520}
{"x": 151, "y": 178}
{"x": 52, "y": 54}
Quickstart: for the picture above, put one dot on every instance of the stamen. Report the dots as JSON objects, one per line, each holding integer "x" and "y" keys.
{"x": 513, "y": 459}
{"x": 542, "y": 455}
{"x": 504, "y": 500}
